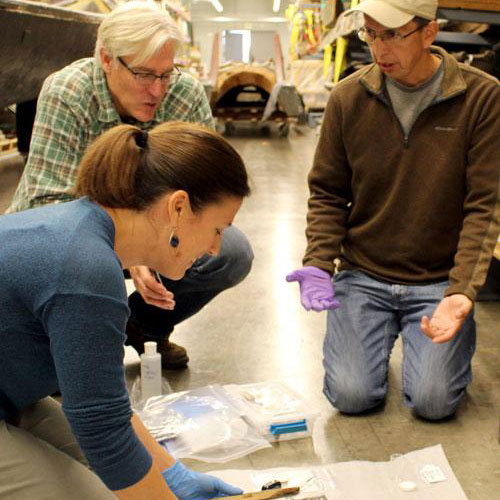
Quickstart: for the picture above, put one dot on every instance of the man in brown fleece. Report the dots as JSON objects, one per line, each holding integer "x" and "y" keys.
{"x": 403, "y": 192}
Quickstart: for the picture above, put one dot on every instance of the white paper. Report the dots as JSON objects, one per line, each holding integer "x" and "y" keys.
{"x": 359, "y": 480}
{"x": 432, "y": 474}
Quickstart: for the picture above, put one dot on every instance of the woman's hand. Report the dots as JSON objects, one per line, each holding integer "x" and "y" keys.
{"x": 186, "y": 484}
{"x": 152, "y": 291}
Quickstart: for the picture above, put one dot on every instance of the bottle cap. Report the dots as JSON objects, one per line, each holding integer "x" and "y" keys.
{"x": 149, "y": 348}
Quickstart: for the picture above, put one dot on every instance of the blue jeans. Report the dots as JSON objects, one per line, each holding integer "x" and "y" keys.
{"x": 202, "y": 282}
{"x": 360, "y": 337}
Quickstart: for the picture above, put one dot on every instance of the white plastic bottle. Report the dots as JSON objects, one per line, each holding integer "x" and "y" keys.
{"x": 150, "y": 371}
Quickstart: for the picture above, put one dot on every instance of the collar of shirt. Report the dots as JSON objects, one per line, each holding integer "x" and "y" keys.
{"x": 107, "y": 111}
{"x": 372, "y": 77}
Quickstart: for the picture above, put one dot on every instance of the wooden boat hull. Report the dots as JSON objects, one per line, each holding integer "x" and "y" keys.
{"x": 38, "y": 39}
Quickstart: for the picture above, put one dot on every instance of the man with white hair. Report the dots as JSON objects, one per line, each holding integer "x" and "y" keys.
{"x": 132, "y": 78}
{"x": 403, "y": 192}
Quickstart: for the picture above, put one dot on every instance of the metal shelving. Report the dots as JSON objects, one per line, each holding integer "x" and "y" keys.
{"x": 472, "y": 40}
{"x": 466, "y": 15}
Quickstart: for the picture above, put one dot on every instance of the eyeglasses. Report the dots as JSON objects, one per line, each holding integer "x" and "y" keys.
{"x": 369, "y": 36}
{"x": 144, "y": 78}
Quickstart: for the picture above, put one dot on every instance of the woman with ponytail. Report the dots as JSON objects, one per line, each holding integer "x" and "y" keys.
{"x": 159, "y": 199}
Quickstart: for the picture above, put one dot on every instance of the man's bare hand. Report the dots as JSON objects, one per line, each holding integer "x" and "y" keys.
{"x": 447, "y": 318}
{"x": 153, "y": 292}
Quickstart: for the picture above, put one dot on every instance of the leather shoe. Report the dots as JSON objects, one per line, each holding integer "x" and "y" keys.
{"x": 173, "y": 356}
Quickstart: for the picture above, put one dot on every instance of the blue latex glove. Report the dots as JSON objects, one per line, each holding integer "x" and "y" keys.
{"x": 316, "y": 288}
{"x": 186, "y": 484}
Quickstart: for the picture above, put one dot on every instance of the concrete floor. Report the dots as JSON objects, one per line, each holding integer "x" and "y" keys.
{"x": 258, "y": 331}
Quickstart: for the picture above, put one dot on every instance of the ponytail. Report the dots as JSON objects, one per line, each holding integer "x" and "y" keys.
{"x": 108, "y": 170}
{"x": 128, "y": 168}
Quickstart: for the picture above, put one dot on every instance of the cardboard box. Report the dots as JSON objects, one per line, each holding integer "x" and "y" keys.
{"x": 491, "y": 5}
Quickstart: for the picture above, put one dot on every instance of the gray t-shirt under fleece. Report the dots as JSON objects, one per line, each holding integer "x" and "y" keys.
{"x": 409, "y": 102}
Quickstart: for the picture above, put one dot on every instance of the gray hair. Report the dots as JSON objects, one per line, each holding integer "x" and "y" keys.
{"x": 137, "y": 28}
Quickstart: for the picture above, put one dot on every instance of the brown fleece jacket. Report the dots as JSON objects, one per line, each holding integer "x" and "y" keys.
{"x": 411, "y": 210}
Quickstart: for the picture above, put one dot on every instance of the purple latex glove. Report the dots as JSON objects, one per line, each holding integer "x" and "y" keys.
{"x": 316, "y": 288}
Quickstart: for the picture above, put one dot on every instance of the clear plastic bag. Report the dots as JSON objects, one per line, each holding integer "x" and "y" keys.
{"x": 135, "y": 394}
{"x": 271, "y": 398}
{"x": 202, "y": 424}
{"x": 161, "y": 422}
{"x": 274, "y": 409}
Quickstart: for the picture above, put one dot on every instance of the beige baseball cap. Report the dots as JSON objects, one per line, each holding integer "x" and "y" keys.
{"x": 396, "y": 13}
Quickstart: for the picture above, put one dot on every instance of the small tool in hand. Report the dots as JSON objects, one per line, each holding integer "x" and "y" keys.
{"x": 263, "y": 495}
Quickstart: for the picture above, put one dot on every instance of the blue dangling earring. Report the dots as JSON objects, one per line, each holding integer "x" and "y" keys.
{"x": 174, "y": 240}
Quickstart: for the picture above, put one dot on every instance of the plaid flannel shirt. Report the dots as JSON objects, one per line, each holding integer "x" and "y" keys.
{"x": 74, "y": 108}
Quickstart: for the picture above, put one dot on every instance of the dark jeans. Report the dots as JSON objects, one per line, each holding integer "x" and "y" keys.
{"x": 203, "y": 281}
